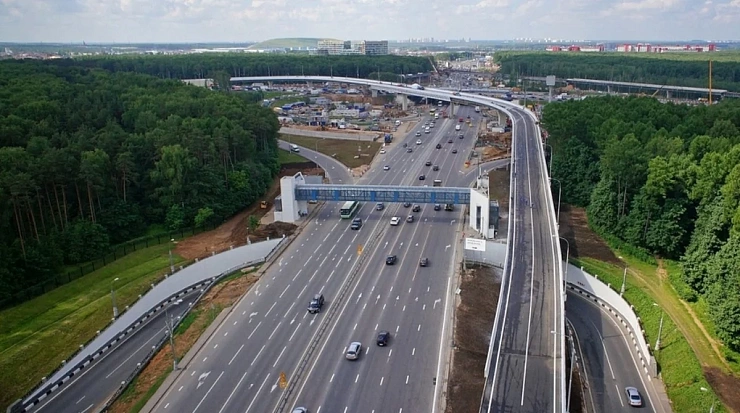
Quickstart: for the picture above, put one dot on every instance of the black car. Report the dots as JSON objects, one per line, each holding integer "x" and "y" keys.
{"x": 379, "y": 206}
{"x": 316, "y": 303}
{"x": 422, "y": 177}
{"x": 390, "y": 260}
{"x": 406, "y": 204}
{"x": 438, "y": 146}
{"x": 383, "y": 337}
{"x": 454, "y": 151}
{"x": 435, "y": 168}
{"x": 424, "y": 262}
{"x": 449, "y": 140}
{"x": 356, "y": 223}
{"x": 437, "y": 207}
{"x": 461, "y": 136}
{"x": 428, "y": 163}
{"x": 416, "y": 208}
{"x": 409, "y": 150}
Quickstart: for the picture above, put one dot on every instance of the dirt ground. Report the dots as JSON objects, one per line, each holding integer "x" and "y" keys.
{"x": 583, "y": 242}
{"x": 220, "y": 297}
{"x": 476, "y": 309}
{"x": 234, "y": 232}
{"x": 494, "y": 146}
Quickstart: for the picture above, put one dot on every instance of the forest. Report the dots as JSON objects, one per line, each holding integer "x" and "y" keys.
{"x": 659, "y": 180}
{"x": 90, "y": 158}
{"x": 677, "y": 69}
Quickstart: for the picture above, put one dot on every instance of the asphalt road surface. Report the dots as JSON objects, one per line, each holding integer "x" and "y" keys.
{"x": 609, "y": 364}
{"x": 525, "y": 371}
{"x": 92, "y": 388}
{"x": 269, "y": 329}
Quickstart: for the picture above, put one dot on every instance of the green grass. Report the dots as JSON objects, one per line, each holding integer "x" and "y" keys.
{"x": 284, "y": 101}
{"x": 732, "y": 56}
{"x": 129, "y": 392}
{"x": 345, "y": 150}
{"x": 286, "y": 157}
{"x": 679, "y": 366}
{"x": 37, "y": 335}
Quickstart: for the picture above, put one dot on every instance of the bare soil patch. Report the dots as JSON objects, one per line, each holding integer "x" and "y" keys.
{"x": 582, "y": 240}
{"x": 348, "y": 152}
{"x": 498, "y": 189}
{"x": 726, "y": 386}
{"x": 220, "y": 297}
{"x": 234, "y": 232}
{"x": 476, "y": 309}
{"x": 494, "y": 146}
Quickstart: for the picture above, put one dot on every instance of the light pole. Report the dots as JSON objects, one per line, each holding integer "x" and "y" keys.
{"x": 624, "y": 282}
{"x": 113, "y": 297}
{"x": 714, "y": 401}
{"x": 172, "y": 264}
{"x": 660, "y": 328}
{"x": 170, "y": 330}
{"x": 560, "y": 192}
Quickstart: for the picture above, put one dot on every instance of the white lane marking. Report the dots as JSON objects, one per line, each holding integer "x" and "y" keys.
{"x": 204, "y": 359}
{"x": 258, "y": 392}
{"x": 331, "y": 379}
{"x": 397, "y": 327}
{"x": 297, "y": 274}
{"x": 290, "y": 308}
{"x": 423, "y": 307}
{"x": 236, "y": 354}
{"x": 257, "y": 356}
{"x": 355, "y": 327}
{"x": 418, "y": 328}
{"x": 381, "y": 381}
{"x": 209, "y": 391}
{"x": 278, "y": 357}
{"x": 332, "y": 273}
{"x": 232, "y": 392}
{"x": 413, "y": 351}
{"x": 356, "y": 378}
{"x": 376, "y": 326}
{"x": 180, "y": 389}
{"x": 618, "y": 395}
{"x": 283, "y": 293}
{"x": 300, "y": 294}
{"x": 294, "y": 331}
{"x": 271, "y": 307}
{"x": 81, "y": 398}
{"x": 90, "y": 406}
{"x": 407, "y": 379}
{"x": 404, "y": 308}
{"x": 146, "y": 344}
{"x": 274, "y": 330}
{"x": 255, "y": 329}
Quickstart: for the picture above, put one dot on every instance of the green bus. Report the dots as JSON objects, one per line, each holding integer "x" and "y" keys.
{"x": 349, "y": 209}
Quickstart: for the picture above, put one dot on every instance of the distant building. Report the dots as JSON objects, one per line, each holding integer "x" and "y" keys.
{"x": 649, "y": 48}
{"x": 208, "y": 83}
{"x": 348, "y": 47}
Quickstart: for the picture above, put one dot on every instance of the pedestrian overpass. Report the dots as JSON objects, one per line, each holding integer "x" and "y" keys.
{"x": 296, "y": 194}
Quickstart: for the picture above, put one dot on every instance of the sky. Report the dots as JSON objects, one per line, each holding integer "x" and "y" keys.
{"x": 188, "y": 21}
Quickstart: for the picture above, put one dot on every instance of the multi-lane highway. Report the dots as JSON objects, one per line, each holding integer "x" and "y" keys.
{"x": 525, "y": 372}
{"x": 609, "y": 364}
{"x": 269, "y": 330}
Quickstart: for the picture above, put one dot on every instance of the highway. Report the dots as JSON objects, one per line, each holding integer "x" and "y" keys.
{"x": 92, "y": 388}
{"x": 269, "y": 329}
{"x": 524, "y": 374}
{"x": 609, "y": 364}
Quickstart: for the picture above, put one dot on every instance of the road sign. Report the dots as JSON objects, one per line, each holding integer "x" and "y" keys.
{"x": 359, "y": 250}
{"x": 283, "y": 382}
{"x": 475, "y": 244}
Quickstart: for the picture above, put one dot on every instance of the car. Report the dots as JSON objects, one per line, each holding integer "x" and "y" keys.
{"x": 383, "y": 337}
{"x": 390, "y": 260}
{"x": 395, "y": 221}
{"x": 418, "y": 133}
{"x": 422, "y": 177}
{"x": 431, "y": 125}
{"x": 461, "y": 136}
{"x": 454, "y": 151}
{"x": 437, "y": 207}
{"x": 426, "y": 123}
{"x": 356, "y": 224}
{"x": 387, "y": 168}
{"x": 300, "y": 410}
{"x": 418, "y": 141}
{"x": 633, "y": 396}
{"x": 406, "y": 204}
{"x": 409, "y": 150}
{"x": 353, "y": 350}
{"x": 382, "y": 151}
{"x": 438, "y": 146}
{"x": 379, "y": 206}
{"x": 314, "y": 306}
{"x": 449, "y": 140}
{"x": 410, "y": 218}
{"x": 424, "y": 262}
{"x": 456, "y": 93}
{"x": 435, "y": 168}
{"x": 428, "y": 163}
{"x": 449, "y": 207}
{"x": 416, "y": 208}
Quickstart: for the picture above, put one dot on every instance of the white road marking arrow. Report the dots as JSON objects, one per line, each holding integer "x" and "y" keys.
{"x": 201, "y": 378}
{"x": 436, "y": 301}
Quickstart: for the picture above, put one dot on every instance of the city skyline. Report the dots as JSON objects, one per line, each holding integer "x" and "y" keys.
{"x": 240, "y": 21}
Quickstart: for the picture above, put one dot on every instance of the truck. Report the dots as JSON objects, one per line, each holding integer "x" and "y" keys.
{"x": 388, "y": 138}
{"x": 457, "y": 127}
{"x": 477, "y": 109}
{"x": 417, "y": 86}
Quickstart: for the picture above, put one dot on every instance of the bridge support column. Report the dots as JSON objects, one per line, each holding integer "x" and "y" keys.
{"x": 453, "y": 108}
{"x": 292, "y": 210}
{"x": 403, "y": 100}
{"x": 668, "y": 94}
{"x": 374, "y": 93}
{"x": 608, "y": 89}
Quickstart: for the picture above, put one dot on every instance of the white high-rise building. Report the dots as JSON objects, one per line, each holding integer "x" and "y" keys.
{"x": 347, "y": 47}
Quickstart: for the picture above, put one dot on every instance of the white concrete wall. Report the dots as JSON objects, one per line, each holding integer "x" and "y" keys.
{"x": 479, "y": 199}
{"x": 292, "y": 209}
{"x": 602, "y": 294}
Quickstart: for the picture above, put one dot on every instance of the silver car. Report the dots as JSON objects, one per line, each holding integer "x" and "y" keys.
{"x": 353, "y": 351}
{"x": 633, "y": 396}
{"x": 300, "y": 410}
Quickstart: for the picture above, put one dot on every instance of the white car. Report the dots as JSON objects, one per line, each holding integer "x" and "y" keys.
{"x": 382, "y": 151}
{"x": 386, "y": 168}
{"x": 353, "y": 351}
{"x": 418, "y": 141}
{"x": 418, "y": 133}
{"x": 395, "y": 221}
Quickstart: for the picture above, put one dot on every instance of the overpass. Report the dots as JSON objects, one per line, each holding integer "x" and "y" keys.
{"x": 526, "y": 363}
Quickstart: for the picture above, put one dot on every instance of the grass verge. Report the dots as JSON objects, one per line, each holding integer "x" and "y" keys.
{"x": 342, "y": 150}
{"x": 679, "y": 365}
{"x": 285, "y": 157}
{"x": 37, "y": 335}
{"x": 222, "y": 295}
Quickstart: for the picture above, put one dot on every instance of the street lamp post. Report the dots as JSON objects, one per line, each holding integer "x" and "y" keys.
{"x": 168, "y": 322}
{"x": 113, "y": 297}
{"x": 572, "y": 361}
{"x": 660, "y": 328}
{"x": 560, "y": 192}
{"x": 624, "y": 282}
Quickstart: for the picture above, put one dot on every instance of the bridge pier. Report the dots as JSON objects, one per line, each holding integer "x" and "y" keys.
{"x": 374, "y": 93}
{"x": 668, "y": 94}
{"x": 403, "y": 100}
